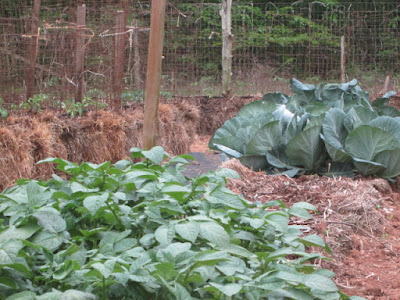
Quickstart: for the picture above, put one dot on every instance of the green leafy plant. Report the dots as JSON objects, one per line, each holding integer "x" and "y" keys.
{"x": 3, "y": 110}
{"x": 96, "y": 93}
{"x": 35, "y": 103}
{"x": 138, "y": 96}
{"x": 145, "y": 231}
{"x": 132, "y": 96}
{"x": 330, "y": 128}
{"x": 74, "y": 109}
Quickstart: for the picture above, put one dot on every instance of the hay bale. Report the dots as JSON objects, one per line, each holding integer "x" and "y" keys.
{"x": 15, "y": 156}
{"x": 100, "y": 137}
{"x": 56, "y": 128}
{"x": 177, "y": 127}
{"x": 134, "y": 127}
{"x": 189, "y": 116}
{"x": 96, "y": 137}
{"x": 42, "y": 141}
{"x": 215, "y": 111}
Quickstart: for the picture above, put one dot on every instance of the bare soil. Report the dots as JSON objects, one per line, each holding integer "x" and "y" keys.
{"x": 359, "y": 219}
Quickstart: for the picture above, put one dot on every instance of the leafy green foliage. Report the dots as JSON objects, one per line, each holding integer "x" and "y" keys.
{"x": 132, "y": 96}
{"x": 35, "y": 103}
{"x": 326, "y": 128}
{"x": 138, "y": 96}
{"x": 145, "y": 231}
{"x": 74, "y": 109}
{"x": 3, "y": 110}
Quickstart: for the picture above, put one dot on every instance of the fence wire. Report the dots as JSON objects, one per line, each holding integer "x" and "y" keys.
{"x": 272, "y": 43}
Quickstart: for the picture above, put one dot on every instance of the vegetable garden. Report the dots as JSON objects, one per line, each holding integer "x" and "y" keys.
{"x": 139, "y": 228}
{"x": 299, "y": 200}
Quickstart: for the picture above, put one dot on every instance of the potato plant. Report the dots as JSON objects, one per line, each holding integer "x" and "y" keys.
{"x": 145, "y": 231}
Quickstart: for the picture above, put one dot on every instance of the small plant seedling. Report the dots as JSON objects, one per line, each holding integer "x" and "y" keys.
{"x": 3, "y": 110}
{"x": 74, "y": 109}
{"x": 34, "y": 104}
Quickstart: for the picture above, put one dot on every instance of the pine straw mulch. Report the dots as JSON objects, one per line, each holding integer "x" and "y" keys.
{"x": 358, "y": 218}
{"x": 96, "y": 137}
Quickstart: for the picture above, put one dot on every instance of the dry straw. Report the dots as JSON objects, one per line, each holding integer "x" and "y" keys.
{"x": 346, "y": 206}
{"x": 96, "y": 137}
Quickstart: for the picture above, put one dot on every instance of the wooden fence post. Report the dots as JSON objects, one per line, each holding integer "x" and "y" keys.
{"x": 342, "y": 59}
{"x": 227, "y": 41}
{"x": 153, "y": 78}
{"x": 80, "y": 52}
{"x": 137, "y": 66}
{"x": 119, "y": 58}
{"x": 33, "y": 50}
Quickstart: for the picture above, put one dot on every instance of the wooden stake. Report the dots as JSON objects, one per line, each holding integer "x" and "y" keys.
{"x": 153, "y": 78}
{"x": 33, "y": 49}
{"x": 119, "y": 58}
{"x": 227, "y": 41}
{"x": 342, "y": 59}
{"x": 80, "y": 52}
{"x": 386, "y": 85}
{"x": 137, "y": 66}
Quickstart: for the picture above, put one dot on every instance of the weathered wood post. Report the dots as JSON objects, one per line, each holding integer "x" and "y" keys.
{"x": 80, "y": 51}
{"x": 137, "y": 64}
{"x": 33, "y": 50}
{"x": 227, "y": 41}
{"x": 153, "y": 78}
{"x": 342, "y": 59}
{"x": 386, "y": 85}
{"x": 119, "y": 58}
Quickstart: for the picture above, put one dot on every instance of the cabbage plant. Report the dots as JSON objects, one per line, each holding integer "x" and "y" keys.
{"x": 328, "y": 129}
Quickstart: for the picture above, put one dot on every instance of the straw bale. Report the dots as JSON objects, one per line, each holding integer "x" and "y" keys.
{"x": 177, "y": 127}
{"x": 96, "y": 137}
{"x": 174, "y": 135}
{"x": 100, "y": 137}
{"x": 215, "y": 111}
{"x": 189, "y": 116}
{"x": 134, "y": 127}
{"x": 42, "y": 141}
{"x": 15, "y": 158}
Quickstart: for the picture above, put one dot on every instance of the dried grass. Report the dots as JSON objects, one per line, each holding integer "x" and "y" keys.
{"x": 215, "y": 111}
{"x": 42, "y": 141}
{"x": 97, "y": 137}
{"x": 15, "y": 159}
{"x": 346, "y": 206}
{"x": 134, "y": 128}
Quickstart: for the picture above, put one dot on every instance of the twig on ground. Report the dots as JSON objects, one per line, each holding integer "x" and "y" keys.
{"x": 365, "y": 232}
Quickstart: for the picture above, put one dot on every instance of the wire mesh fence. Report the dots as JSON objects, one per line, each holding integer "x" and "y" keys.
{"x": 272, "y": 43}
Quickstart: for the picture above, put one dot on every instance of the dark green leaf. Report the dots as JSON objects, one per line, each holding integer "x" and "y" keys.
{"x": 188, "y": 230}
{"x": 306, "y": 148}
{"x": 366, "y": 141}
{"x": 94, "y": 203}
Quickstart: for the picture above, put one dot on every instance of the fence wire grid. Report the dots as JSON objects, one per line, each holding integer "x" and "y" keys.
{"x": 273, "y": 42}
